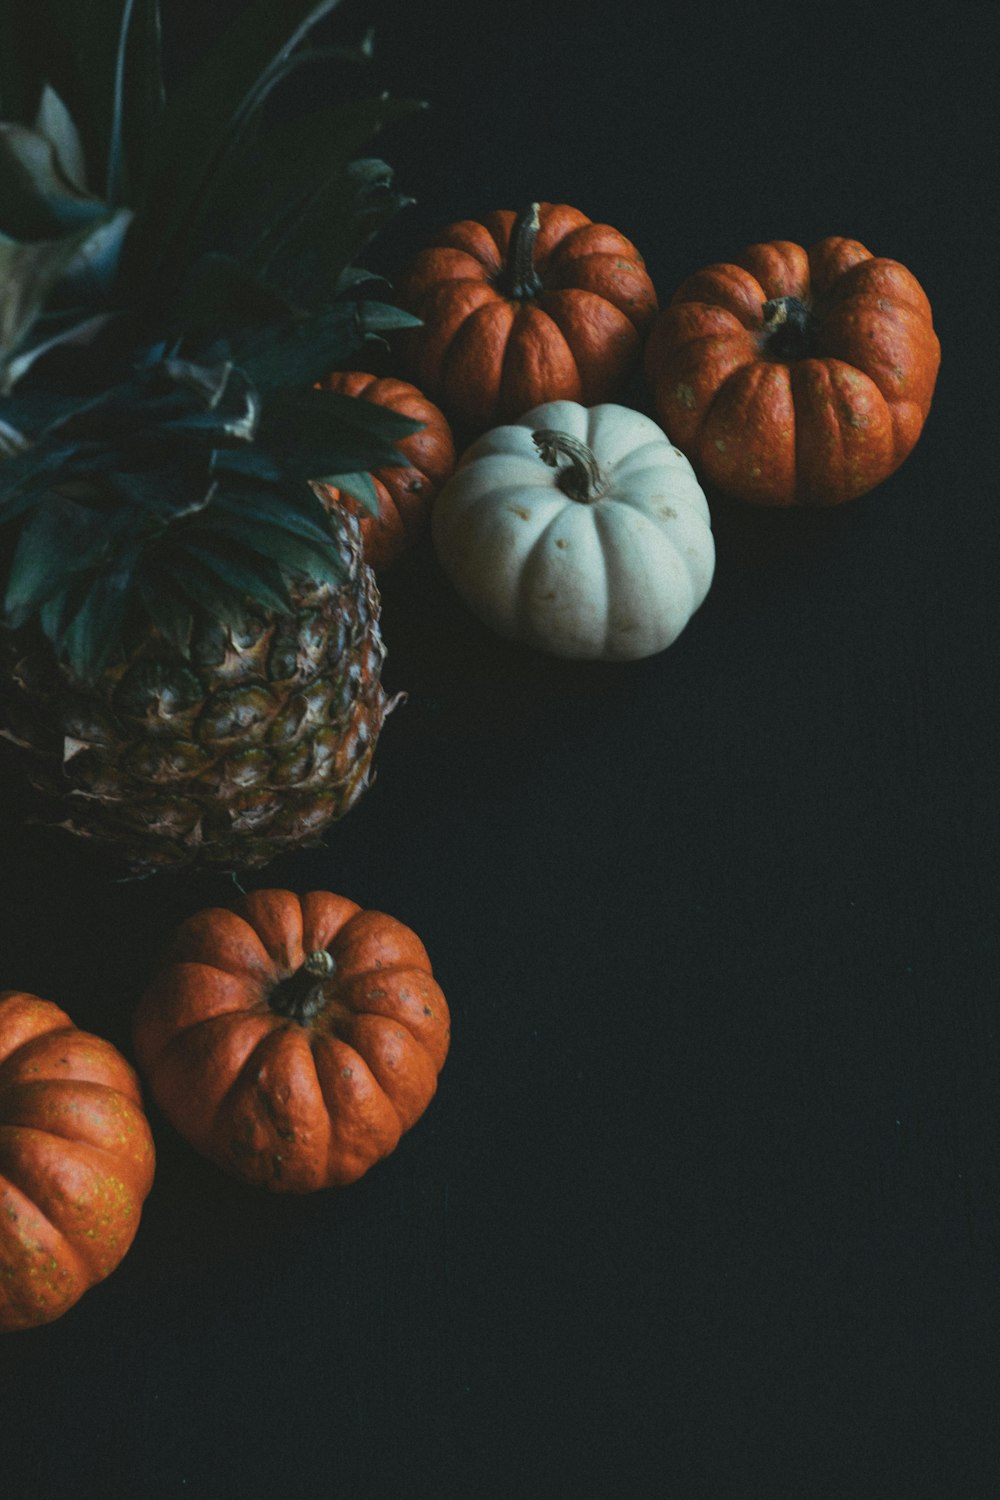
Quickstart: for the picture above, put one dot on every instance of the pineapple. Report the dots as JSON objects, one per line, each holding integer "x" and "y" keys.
{"x": 190, "y": 654}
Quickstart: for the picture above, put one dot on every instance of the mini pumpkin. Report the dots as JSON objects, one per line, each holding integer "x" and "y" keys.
{"x": 580, "y": 531}
{"x": 294, "y": 1039}
{"x": 76, "y": 1160}
{"x": 404, "y": 494}
{"x": 794, "y": 377}
{"x": 524, "y": 308}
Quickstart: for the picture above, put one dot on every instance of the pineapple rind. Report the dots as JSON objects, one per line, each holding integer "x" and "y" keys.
{"x": 253, "y": 746}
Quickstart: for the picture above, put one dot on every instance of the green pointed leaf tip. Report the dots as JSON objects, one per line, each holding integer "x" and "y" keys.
{"x": 55, "y": 122}
{"x": 137, "y": 100}
{"x": 178, "y": 573}
{"x": 70, "y": 330}
{"x": 52, "y": 618}
{"x": 293, "y": 554}
{"x": 317, "y": 416}
{"x": 12, "y": 439}
{"x": 171, "y": 614}
{"x": 297, "y": 353}
{"x": 243, "y": 574}
{"x": 166, "y": 495}
{"x": 116, "y": 145}
{"x": 91, "y": 33}
{"x": 285, "y": 510}
{"x": 220, "y": 96}
{"x": 358, "y": 487}
{"x": 60, "y": 538}
{"x": 28, "y": 274}
{"x": 382, "y": 317}
{"x": 95, "y": 632}
{"x": 37, "y": 199}
{"x": 307, "y": 169}
{"x": 26, "y": 476}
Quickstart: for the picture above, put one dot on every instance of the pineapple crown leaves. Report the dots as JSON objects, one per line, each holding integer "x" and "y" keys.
{"x": 58, "y": 236}
{"x": 206, "y": 171}
{"x": 160, "y": 340}
{"x": 181, "y": 489}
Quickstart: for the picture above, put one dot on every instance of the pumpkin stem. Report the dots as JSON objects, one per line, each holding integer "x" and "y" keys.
{"x": 519, "y": 279}
{"x": 302, "y": 994}
{"x": 582, "y": 479}
{"x": 790, "y": 329}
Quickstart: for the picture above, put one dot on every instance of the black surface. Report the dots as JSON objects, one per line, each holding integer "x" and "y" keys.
{"x": 707, "y": 1204}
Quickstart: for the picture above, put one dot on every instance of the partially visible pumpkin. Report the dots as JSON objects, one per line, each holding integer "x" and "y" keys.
{"x": 293, "y": 1040}
{"x": 582, "y": 532}
{"x": 795, "y": 378}
{"x": 524, "y": 308}
{"x": 404, "y": 493}
{"x": 76, "y": 1160}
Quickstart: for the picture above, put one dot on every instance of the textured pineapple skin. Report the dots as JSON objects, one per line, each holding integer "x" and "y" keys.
{"x": 251, "y": 747}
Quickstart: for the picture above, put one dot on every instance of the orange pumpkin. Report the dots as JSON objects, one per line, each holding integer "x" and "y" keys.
{"x": 522, "y": 309}
{"x": 294, "y": 1039}
{"x": 790, "y": 377}
{"x": 76, "y": 1160}
{"x": 405, "y": 493}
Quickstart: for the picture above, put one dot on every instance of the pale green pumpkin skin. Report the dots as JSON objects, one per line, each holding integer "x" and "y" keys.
{"x": 615, "y": 577}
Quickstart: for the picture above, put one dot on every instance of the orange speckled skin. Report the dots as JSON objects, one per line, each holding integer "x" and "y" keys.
{"x": 817, "y": 430}
{"x": 486, "y": 357}
{"x": 76, "y": 1160}
{"x": 405, "y": 493}
{"x": 293, "y": 1104}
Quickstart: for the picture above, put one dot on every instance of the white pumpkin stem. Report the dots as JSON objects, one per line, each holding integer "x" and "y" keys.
{"x": 582, "y": 479}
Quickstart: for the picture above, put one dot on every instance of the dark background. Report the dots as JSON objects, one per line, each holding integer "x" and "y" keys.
{"x": 707, "y": 1203}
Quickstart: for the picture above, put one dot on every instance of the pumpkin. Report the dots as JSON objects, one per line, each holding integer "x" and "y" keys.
{"x": 294, "y": 1039}
{"x": 524, "y": 308}
{"x": 795, "y": 378}
{"x": 403, "y": 494}
{"x": 76, "y": 1160}
{"x": 580, "y": 531}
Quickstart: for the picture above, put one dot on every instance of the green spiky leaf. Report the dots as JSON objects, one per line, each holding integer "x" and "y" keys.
{"x": 56, "y": 124}
{"x": 28, "y": 275}
{"x": 172, "y": 615}
{"x": 209, "y": 113}
{"x": 359, "y": 487}
{"x": 12, "y": 440}
{"x": 321, "y": 206}
{"x": 294, "y": 554}
{"x": 60, "y": 538}
{"x": 95, "y": 631}
{"x": 308, "y": 423}
{"x": 168, "y": 494}
{"x": 37, "y": 199}
{"x": 244, "y": 574}
{"x": 219, "y": 294}
{"x": 52, "y": 615}
{"x": 302, "y": 352}
{"x": 113, "y": 49}
{"x": 377, "y": 318}
{"x": 264, "y": 506}
{"x": 29, "y": 474}
{"x": 155, "y": 464}
{"x": 335, "y": 227}
{"x": 59, "y": 332}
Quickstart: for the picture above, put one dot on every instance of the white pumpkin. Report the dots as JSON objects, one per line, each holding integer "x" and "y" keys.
{"x": 580, "y": 531}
